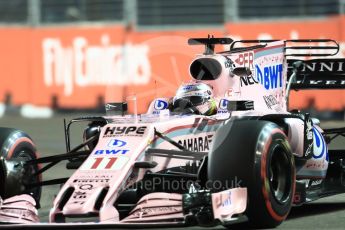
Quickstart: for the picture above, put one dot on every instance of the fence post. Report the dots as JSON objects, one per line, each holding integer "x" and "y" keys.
{"x": 34, "y": 12}
{"x": 231, "y": 10}
{"x": 341, "y": 6}
{"x": 130, "y": 12}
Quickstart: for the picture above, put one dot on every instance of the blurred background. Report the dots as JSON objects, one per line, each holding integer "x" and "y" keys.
{"x": 67, "y": 55}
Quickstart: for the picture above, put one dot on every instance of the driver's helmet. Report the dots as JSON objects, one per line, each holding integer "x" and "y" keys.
{"x": 196, "y": 97}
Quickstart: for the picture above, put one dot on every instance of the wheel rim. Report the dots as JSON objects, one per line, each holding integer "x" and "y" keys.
{"x": 279, "y": 175}
{"x": 30, "y": 171}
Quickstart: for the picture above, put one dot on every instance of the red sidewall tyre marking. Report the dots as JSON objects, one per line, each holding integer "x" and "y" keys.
{"x": 14, "y": 146}
{"x": 264, "y": 177}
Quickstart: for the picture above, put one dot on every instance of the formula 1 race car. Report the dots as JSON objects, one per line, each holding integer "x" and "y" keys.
{"x": 225, "y": 149}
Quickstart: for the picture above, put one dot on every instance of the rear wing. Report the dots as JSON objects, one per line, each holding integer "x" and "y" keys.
{"x": 327, "y": 73}
{"x": 316, "y": 73}
{"x": 209, "y": 42}
{"x": 294, "y": 47}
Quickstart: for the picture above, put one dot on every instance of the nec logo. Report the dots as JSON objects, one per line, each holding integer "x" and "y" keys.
{"x": 160, "y": 105}
{"x": 116, "y": 143}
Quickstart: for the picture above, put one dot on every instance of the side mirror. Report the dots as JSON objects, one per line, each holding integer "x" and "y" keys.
{"x": 116, "y": 108}
{"x": 242, "y": 71}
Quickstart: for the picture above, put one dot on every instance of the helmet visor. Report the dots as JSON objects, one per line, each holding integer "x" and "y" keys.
{"x": 188, "y": 102}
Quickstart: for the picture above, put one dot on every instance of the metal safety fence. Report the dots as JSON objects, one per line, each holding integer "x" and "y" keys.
{"x": 160, "y": 13}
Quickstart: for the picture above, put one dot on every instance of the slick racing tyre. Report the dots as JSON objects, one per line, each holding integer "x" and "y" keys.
{"x": 16, "y": 147}
{"x": 255, "y": 155}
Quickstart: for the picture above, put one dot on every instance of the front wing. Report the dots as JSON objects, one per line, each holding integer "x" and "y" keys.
{"x": 152, "y": 210}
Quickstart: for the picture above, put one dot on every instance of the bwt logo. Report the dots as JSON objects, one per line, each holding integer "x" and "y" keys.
{"x": 160, "y": 105}
{"x": 271, "y": 77}
{"x": 116, "y": 143}
{"x": 223, "y": 104}
{"x": 110, "y": 152}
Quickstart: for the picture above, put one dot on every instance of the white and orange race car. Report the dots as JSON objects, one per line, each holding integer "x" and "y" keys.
{"x": 250, "y": 159}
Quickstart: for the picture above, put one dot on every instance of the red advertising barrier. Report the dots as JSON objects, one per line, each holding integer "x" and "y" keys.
{"x": 81, "y": 66}
{"x": 76, "y": 64}
{"x": 15, "y": 72}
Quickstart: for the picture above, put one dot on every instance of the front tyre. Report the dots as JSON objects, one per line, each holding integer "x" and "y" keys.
{"x": 16, "y": 147}
{"x": 256, "y": 155}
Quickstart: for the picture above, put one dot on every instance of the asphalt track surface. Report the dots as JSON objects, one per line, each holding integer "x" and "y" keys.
{"x": 327, "y": 213}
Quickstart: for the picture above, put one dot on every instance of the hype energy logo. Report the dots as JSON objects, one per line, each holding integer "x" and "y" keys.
{"x": 271, "y": 77}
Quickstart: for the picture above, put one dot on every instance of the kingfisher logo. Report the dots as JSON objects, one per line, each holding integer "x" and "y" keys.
{"x": 116, "y": 143}
{"x": 271, "y": 77}
{"x": 160, "y": 105}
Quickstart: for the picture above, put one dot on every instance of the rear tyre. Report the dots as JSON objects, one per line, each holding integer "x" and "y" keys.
{"x": 16, "y": 147}
{"x": 256, "y": 155}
